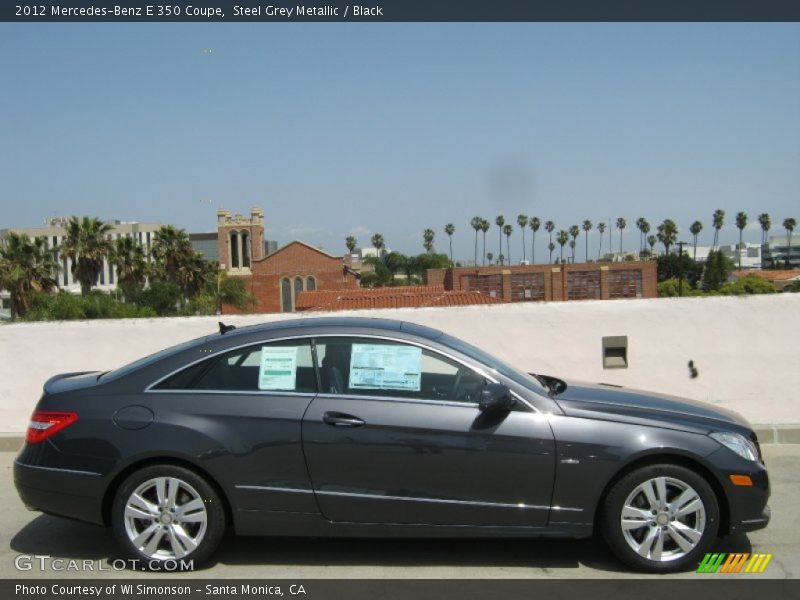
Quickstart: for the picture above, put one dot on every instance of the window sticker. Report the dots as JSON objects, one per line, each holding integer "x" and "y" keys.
{"x": 278, "y": 369}
{"x": 385, "y": 367}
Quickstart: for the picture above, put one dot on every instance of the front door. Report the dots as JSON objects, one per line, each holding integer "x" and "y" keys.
{"x": 395, "y": 436}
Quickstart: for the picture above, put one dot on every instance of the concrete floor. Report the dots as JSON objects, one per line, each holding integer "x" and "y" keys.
{"x": 23, "y": 532}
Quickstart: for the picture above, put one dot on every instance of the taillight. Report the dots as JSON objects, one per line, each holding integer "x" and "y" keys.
{"x": 45, "y": 423}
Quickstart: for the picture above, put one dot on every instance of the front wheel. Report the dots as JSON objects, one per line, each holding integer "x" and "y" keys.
{"x": 660, "y": 518}
{"x": 167, "y": 513}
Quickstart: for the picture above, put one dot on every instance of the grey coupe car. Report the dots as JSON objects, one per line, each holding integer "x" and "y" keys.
{"x": 370, "y": 427}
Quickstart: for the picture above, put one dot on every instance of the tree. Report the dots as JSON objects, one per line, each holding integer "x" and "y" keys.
{"x": 171, "y": 250}
{"x": 534, "y": 224}
{"x": 351, "y": 243}
{"x": 507, "y": 231}
{"x": 26, "y": 267}
{"x": 484, "y": 228}
{"x": 574, "y": 231}
{"x": 766, "y": 224}
{"x": 667, "y": 234}
{"x": 695, "y": 229}
{"x": 475, "y": 223}
{"x": 587, "y": 227}
{"x": 741, "y": 223}
{"x": 489, "y": 257}
{"x": 562, "y": 238}
{"x": 551, "y": 246}
{"x": 639, "y": 225}
{"x": 450, "y": 229}
{"x": 86, "y": 246}
{"x": 601, "y": 227}
{"x": 379, "y": 244}
{"x": 789, "y": 224}
{"x": 651, "y": 241}
{"x": 396, "y": 262}
{"x": 500, "y": 221}
{"x": 645, "y": 229}
{"x": 130, "y": 262}
{"x": 674, "y": 264}
{"x": 621, "y": 224}
{"x": 718, "y": 220}
{"x": 427, "y": 239}
{"x": 522, "y": 221}
{"x": 717, "y": 270}
{"x": 549, "y": 226}
{"x": 220, "y": 290}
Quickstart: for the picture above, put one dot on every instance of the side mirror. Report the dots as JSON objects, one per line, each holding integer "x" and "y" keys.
{"x": 496, "y": 397}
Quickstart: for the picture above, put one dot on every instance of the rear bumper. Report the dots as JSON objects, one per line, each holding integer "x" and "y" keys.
{"x": 62, "y": 492}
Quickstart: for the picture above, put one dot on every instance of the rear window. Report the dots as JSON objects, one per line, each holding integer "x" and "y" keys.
{"x": 150, "y": 359}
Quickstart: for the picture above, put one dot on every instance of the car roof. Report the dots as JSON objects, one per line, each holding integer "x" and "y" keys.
{"x": 345, "y": 323}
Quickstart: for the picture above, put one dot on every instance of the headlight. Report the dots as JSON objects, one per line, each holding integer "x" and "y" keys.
{"x": 738, "y": 443}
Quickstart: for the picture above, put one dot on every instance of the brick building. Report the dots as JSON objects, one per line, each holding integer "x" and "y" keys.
{"x": 531, "y": 283}
{"x": 275, "y": 281}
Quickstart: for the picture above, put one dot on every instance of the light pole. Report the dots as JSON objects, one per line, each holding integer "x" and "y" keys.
{"x": 680, "y": 268}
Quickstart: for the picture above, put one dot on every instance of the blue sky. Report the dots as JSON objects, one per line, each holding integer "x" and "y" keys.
{"x": 357, "y": 128}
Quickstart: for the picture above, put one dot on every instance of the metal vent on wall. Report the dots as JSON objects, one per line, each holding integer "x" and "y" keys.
{"x": 615, "y": 352}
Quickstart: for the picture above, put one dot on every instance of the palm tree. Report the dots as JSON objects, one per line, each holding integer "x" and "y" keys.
{"x": 130, "y": 261}
{"x": 507, "y": 231}
{"x": 475, "y": 223}
{"x": 172, "y": 252}
{"x": 379, "y": 244}
{"x": 667, "y": 234}
{"x": 228, "y": 290}
{"x": 450, "y": 229}
{"x": 651, "y": 240}
{"x": 489, "y": 257}
{"x": 500, "y": 221}
{"x": 522, "y": 221}
{"x": 766, "y": 224}
{"x": 695, "y": 229}
{"x": 621, "y": 224}
{"x": 551, "y": 246}
{"x": 484, "y": 228}
{"x": 86, "y": 246}
{"x": 351, "y": 243}
{"x": 574, "y": 231}
{"x": 789, "y": 224}
{"x": 194, "y": 272}
{"x": 601, "y": 227}
{"x": 427, "y": 240}
{"x": 587, "y": 227}
{"x": 535, "y": 224}
{"x": 562, "y": 238}
{"x": 741, "y": 223}
{"x": 639, "y": 223}
{"x": 549, "y": 226}
{"x": 26, "y": 266}
{"x": 718, "y": 220}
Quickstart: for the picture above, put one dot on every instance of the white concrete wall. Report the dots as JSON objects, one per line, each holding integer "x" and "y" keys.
{"x": 746, "y": 348}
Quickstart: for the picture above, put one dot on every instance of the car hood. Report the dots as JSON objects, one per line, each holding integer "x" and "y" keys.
{"x": 616, "y": 403}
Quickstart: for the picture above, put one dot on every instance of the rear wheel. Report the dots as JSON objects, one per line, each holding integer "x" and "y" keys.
{"x": 167, "y": 513}
{"x": 660, "y": 518}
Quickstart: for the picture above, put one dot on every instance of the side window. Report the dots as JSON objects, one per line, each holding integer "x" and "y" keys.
{"x": 368, "y": 367}
{"x": 275, "y": 367}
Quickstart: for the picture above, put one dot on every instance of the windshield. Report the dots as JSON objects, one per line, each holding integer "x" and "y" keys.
{"x": 495, "y": 363}
{"x": 142, "y": 362}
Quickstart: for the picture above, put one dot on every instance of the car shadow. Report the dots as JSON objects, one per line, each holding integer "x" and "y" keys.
{"x": 62, "y": 538}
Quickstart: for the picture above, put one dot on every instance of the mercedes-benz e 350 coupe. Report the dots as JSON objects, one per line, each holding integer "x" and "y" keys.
{"x": 367, "y": 427}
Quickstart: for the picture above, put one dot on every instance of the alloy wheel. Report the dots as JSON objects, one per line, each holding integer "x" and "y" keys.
{"x": 165, "y": 518}
{"x": 663, "y": 519}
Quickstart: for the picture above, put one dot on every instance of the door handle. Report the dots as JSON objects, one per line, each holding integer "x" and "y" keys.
{"x": 338, "y": 419}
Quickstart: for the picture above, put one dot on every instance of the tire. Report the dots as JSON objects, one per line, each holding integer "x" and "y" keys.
{"x": 677, "y": 534}
{"x": 165, "y": 513}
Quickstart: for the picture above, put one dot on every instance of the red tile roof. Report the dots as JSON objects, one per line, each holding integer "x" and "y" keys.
{"x": 770, "y": 274}
{"x": 389, "y": 297}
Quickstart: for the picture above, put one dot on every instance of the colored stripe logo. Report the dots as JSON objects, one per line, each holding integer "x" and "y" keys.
{"x": 734, "y": 563}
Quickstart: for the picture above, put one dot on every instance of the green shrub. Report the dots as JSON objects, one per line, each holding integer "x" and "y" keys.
{"x": 749, "y": 284}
